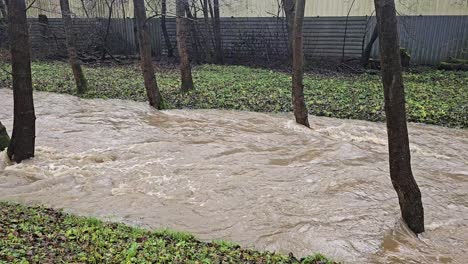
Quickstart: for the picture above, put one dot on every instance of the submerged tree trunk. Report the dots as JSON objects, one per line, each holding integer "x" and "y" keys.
{"x": 167, "y": 40}
{"x": 217, "y": 33}
{"x": 80, "y": 80}
{"x": 182, "y": 46}
{"x": 288, "y": 7}
{"x": 368, "y": 49}
{"x": 409, "y": 195}
{"x": 300, "y": 109}
{"x": 152, "y": 90}
{"x": 23, "y": 138}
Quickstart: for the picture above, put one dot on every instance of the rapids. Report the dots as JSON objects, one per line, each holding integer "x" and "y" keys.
{"x": 253, "y": 178}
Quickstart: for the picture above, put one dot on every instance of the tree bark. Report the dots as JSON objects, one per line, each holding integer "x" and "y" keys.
{"x": 182, "y": 46}
{"x": 368, "y": 49}
{"x": 152, "y": 90}
{"x": 217, "y": 33}
{"x": 80, "y": 80}
{"x": 22, "y": 142}
{"x": 288, "y": 7}
{"x": 300, "y": 109}
{"x": 409, "y": 195}
{"x": 167, "y": 40}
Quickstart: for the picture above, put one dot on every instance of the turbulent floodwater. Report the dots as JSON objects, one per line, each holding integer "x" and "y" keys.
{"x": 256, "y": 179}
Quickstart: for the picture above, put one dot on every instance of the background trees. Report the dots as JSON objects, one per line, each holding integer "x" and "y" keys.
{"x": 22, "y": 142}
{"x": 409, "y": 195}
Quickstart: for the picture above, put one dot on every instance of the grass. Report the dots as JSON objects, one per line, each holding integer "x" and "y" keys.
{"x": 433, "y": 96}
{"x": 42, "y": 235}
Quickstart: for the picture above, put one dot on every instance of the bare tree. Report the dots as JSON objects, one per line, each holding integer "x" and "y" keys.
{"x": 182, "y": 46}
{"x": 217, "y": 33}
{"x": 23, "y": 138}
{"x": 409, "y": 195}
{"x": 152, "y": 90}
{"x": 170, "y": 50}
{"x": 300, "y": 109}
{"x": 80, "y": 80}
{"x": 288, "y": 7}
{"x": 110, "y": 8}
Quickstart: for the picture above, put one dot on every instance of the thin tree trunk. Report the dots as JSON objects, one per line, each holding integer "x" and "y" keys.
{"x": 194, "y": 32}
{"x": 80, "y": 80}
{"x": 84, "y": 8}
{"x": 210, "y": 42}
{"x": 368, "y": 49}
{"x": 300, "y": 109}
{"x": 409, "y": 195}
{"x": 124, "y": 17}
{"x": 288, "y": 7}
{"x": 217, "y": 33}
{"x": 23, "y": 138}
{"x": 3, "y": 10}
{"x": 135, "y": 35}
{"x": 110, "y": 7}
{"x": 167, "y": 40}
{"x": 182, "y": 46}
{"x": 152, "y": 90}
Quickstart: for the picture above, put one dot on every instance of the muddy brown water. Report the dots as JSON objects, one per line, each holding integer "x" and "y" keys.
{"x": 253, "y": 178}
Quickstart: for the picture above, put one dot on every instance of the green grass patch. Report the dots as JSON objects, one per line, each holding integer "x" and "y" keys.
{"x": 433, "y": 96}
{"x": 42, "y": 235}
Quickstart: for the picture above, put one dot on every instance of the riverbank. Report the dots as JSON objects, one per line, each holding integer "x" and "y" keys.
{"x": 38, "y": 235}
{"x": 433, "y": 96}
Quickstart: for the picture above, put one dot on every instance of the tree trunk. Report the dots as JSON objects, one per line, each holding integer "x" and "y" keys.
{"x": 110, "y": 7}
{"x": 152, "y": 90}
{"x": 182, "y": 46}
{"x": 194, "y": 32}
{"x": 167, "y": 40}
{"x": 409, "y": 195}
{"x": 4, "y": 138}
{"x": 135, "y": 35}
{"x": 210, "y": 42}
{"x": 3, "y": 10}
{"x": 368, "y": 49}
{"x": 300, "y": 109}
{"x": 217, "y": 33}
{"x": 288, "y": 7}
{"x": 24, "y": 123}
{"x": 80, "y": 80}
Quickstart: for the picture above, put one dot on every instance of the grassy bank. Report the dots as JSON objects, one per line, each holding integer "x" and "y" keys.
{"x": 433, "y": 96}
{"x": 41, "y": 235}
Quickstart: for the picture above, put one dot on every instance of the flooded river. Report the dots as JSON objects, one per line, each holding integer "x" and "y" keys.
{"x": 253, "y": 178}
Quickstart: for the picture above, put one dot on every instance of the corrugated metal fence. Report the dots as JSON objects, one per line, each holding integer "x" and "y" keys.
{"x": 429, "y": 39}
